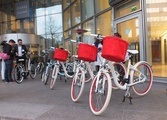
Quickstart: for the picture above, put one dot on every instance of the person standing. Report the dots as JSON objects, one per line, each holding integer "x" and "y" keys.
{"x": 9, "y": 62}
{"x": 21, "y": 52}
{"x": 3, "y": 63}
{"x": 98, "y": 44}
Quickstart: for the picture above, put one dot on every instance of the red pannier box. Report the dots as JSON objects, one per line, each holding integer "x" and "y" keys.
{"x": 114, "y": 48}
{"x": 60, "y": 55}
{"x": 87, "y": 52}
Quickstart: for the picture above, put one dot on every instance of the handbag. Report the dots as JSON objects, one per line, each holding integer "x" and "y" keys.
{"x": 4, "y": 56}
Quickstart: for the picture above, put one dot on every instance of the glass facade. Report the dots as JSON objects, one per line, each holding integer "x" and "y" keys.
{"x": 45, "y": 19}
{"x": 96, "y": 16}
{"x": 157, "y": 34}
{"x": 81, "y": 14}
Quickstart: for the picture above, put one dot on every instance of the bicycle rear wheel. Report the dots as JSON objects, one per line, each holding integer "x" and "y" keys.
{"x": 18, "y": 74}
{"x": 142, "y": 71}
{"x": 77, "y": 85}
{"x": 87, "y": 75}
{"x": 100, "y": 93}
{"x": 33, "y": 71}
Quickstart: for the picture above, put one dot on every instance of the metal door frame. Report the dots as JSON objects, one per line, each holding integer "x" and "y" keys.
{"x": 141, "y": 38}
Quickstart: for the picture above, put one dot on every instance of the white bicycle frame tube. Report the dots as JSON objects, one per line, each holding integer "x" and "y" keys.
{"x": 56, "y": 67}
{"x": 65, "y": 71}
{"x": 123, "y": 87}
{"x": 29, "y": 62}
{"x": 90, "y": 70}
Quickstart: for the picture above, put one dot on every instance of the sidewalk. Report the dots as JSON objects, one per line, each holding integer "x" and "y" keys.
{"x": 32, "y": 100}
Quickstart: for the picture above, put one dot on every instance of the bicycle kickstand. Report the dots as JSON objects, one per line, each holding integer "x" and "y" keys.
{"x": 127, "y": 95}
{"x": 65, "y": 79}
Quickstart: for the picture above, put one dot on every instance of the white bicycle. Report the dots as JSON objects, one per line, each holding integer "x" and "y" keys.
{"x": 61, "y": 57}
{"x": 138, "y": 76}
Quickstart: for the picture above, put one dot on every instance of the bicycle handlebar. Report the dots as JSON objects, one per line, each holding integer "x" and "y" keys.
{"x": 98, "y": 36}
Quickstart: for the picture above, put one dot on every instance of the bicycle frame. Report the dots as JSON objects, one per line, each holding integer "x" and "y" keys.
{"x": 130, "y": 69}
{"x": 57, "y": 66}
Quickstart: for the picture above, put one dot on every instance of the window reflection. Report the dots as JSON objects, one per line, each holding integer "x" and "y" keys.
{"x": 103, "y": 23}
{"x": 76, "y": 13}
{"x": 87, "y": 9}
{"x": 157, "y": 34}
{"x": 101, "y": 5}
{"x": 67, "y": 19}
{"x": 66, "y": 3}
{"x": 89, "y": 26}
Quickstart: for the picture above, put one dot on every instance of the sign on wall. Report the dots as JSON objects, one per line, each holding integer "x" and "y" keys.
{"x": 22, "y": 10}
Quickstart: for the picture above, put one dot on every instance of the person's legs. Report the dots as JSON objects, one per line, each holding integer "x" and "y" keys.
{"x": 10, "y": 65}
{"x": 6, "y": 71}
{"x": 3, "y": 70}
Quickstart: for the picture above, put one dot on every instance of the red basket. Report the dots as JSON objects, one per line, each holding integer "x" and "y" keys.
{"x": 60, "y": 55}
{"x": 114, "y": 48}
{"x": 87, "y": 52}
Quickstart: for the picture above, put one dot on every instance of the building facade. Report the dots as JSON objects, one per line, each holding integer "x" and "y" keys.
{"x": 37, "y": 22}
{"x": 142, "y": 23}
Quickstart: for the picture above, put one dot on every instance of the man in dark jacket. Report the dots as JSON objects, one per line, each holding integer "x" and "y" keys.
{"x": 9, "y": 62}
{"x": 21, "y": 52}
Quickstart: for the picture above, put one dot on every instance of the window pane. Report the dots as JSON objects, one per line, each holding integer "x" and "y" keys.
{"x": 67, "y": 19}
{"x": 66, "y": 3}
{"x": 103, "y": 23}
{"x": 126, "y": 9}
{"x": 53, "y": 9}
{"x": 89, "y": 26}
{"x": 87, "y": 9}
{"x": 76, "y": 13}
{"x": 101, "y": 5}
{"x": 40, "y": 23}
{"x": 157, "y": 34}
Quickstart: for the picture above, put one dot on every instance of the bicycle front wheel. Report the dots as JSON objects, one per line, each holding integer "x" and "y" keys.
{"x": 77, "y": 85}
{"x": 33, "y": 71}
{"x": 18, "y": 74}
{"x": 100, "y": 93}
{"x": 142, "y": 72}
{"x": 46, "y": 75}
{"x": 54, "y": 77}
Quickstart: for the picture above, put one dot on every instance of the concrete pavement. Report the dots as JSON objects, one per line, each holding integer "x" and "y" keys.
{"x": 31, "y": 100}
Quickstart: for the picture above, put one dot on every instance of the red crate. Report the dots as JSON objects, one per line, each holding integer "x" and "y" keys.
{"x": 87, "y": 52}
{"x": 60, "y": 55}
{"x": 114, "y": 48}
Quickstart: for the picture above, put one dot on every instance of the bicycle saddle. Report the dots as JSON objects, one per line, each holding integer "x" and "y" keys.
{"x": 133, "y": 51}
{"x": 20, "y": 60}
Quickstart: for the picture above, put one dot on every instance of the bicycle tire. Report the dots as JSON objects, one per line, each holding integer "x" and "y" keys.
{"x": 87, "y": 75}
{"x": 54, "y": 77}
{"x": 77, "y": 86}
{"x": 120, "y": 70}
{"x": 18, "y": 74}
{"x": 32, "y": 71}
{"x": 144, "y": 87}
{"x": 46, "y": 75}
{"x": 99, "y": 100}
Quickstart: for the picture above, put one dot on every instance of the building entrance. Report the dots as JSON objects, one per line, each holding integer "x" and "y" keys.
{"x": 130, "y": 29}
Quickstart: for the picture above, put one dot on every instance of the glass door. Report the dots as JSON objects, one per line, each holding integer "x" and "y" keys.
{"x": 129, "y": 28}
